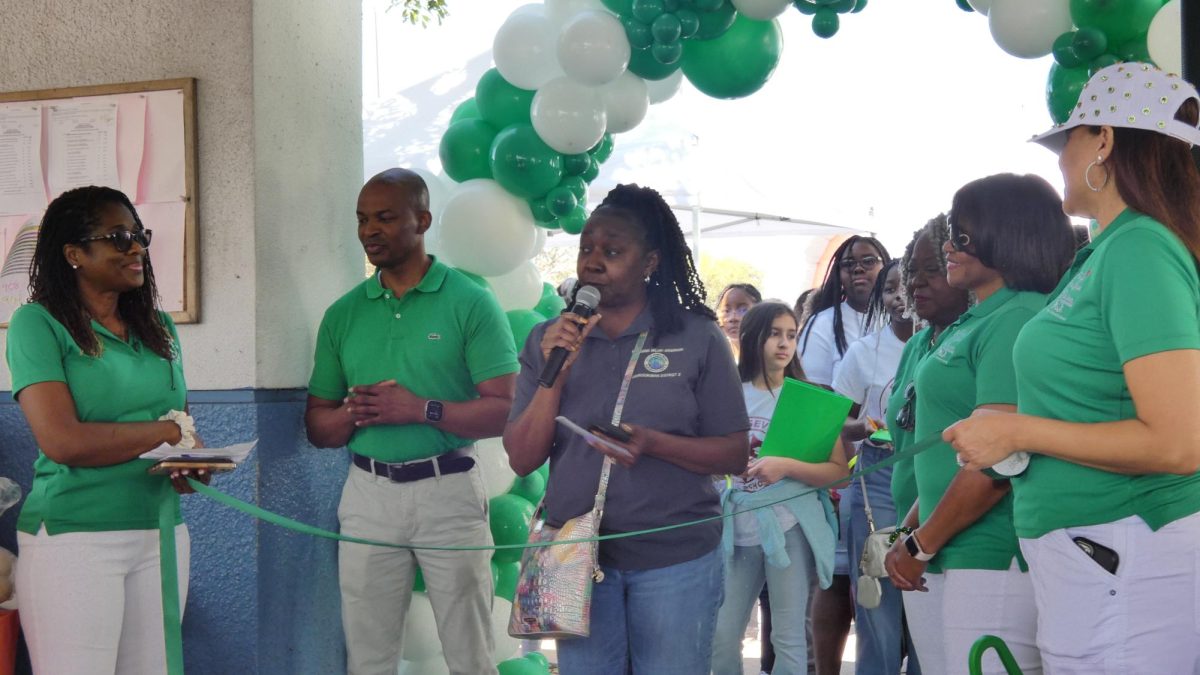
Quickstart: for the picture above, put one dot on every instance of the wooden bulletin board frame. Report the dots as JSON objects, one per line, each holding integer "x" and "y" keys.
{"x": 190, "y": 272}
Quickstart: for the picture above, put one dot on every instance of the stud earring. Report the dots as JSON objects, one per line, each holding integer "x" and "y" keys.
{"x": 74, "y": 267}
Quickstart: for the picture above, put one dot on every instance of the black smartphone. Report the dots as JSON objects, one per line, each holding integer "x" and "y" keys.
{"x": 610, "y": 430}
{"x": 1103, "y": 555}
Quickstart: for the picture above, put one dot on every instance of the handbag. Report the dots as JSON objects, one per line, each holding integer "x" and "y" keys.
{"x": 554, "y": 586}
{"x": 869, "y": 593}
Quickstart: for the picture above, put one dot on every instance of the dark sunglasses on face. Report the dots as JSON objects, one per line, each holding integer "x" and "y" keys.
{"x": 868, "y": 262}
{"x": 905, "y": 419}
{"x": 122, "y": 240}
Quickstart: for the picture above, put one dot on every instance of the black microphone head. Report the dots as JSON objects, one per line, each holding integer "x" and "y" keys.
{"x": 588, "y": 296}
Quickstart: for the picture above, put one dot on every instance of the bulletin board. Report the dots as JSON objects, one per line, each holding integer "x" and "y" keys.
{"x": 137, "y": 137}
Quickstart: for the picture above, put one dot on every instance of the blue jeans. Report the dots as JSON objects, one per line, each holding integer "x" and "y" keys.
{"x": 880, "y": 632}
{"x": 744, "y": 578}
{"x": 648, "y": 622}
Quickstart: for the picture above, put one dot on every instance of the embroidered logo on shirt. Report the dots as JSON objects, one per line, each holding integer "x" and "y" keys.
{"x": 656, "y": 362}
{"x": 1066, "y": 300}
{"x": 945, "y": 351}
{"x": 435, "y": 336}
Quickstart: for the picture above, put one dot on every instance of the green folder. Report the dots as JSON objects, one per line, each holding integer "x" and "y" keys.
{"x": 807, "y": 422}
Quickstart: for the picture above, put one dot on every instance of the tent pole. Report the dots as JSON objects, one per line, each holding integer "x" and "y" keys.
{"x": 696, "y": 235}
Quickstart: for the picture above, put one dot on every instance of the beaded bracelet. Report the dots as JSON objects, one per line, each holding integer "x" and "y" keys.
{"x": 897, "y": 533}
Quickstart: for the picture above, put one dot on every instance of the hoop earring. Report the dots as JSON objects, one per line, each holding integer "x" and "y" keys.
{"x": 1087, "y": 175}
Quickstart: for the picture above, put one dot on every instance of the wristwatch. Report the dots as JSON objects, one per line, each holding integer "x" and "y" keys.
{"x": 434, "y": 411}
{"x": 914, "y": 548}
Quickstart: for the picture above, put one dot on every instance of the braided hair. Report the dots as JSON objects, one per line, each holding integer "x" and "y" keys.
{"x": 748, "y": 289}
{"x": 72, "y": 216}
{"x": 938, "y": 231}
{"x": 877, "y": 312}
{"x": 831, "y": 293}
{"x": 674, "y": 286}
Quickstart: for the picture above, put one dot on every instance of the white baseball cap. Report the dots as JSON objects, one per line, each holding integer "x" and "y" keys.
{"x": 1131, "y": 95}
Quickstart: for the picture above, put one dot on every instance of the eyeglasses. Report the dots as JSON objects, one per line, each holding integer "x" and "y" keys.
{"x": 122, "y": 240}
{"x": 905, "y": 419}
{"x": 867, "y": 262}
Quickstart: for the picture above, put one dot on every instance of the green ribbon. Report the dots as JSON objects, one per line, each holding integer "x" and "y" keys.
{"x": 170, "y": 584}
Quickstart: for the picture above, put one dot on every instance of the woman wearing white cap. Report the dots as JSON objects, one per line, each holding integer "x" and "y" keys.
{"x": 1108, "y": 377}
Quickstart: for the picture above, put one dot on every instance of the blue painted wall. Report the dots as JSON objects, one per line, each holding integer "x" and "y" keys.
{"x": 262, "y": 600}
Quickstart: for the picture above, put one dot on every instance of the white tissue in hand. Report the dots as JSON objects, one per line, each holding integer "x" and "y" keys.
{"x": 187, "y": 428}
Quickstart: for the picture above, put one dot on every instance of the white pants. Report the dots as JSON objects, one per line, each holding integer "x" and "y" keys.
{"x": 1143, "y": 619}
{"x": 989, "y": 602}
{"x": 923, "y": 613}
{"x": 376, "y": 581}
{"x": 91, "y": 602}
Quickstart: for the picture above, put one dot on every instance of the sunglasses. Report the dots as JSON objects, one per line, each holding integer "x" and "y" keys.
{"x": 905, "y": 419}
{"x": 122, "y": 240}
{"x": 868, "y": 262}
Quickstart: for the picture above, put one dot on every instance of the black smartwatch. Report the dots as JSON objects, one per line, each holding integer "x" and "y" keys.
{"x": 434, "y": 411}
{"x": 914, "y": 548}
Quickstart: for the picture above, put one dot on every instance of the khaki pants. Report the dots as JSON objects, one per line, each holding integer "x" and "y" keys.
{"x": 376, "y": 581}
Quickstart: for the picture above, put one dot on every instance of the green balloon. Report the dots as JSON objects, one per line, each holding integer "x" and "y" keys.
{"x": 666, "y": 29}
{"x": 530, "y": 487}
{"x": 1119, "y": 20}
{"x": 519, "y": 666}
{"x": 1064, "y": 51}
{"x": 714, "y": 23}
{"x": 465, "y": 111}
{"x": 859, "y": 6}
{"x": 523, "y": 164}
{"x": 500, "y": 103}
{"x": 1101, "y": 62}
{"x": 806, "y": 7}
{"x": 1062, "y": 91}
{"x": 603, "y": 149}
{"x": 667, "y": 53}
{"x": 475, "y": 277}
{"x": 965, "y": 6}
{"x": 419, "y": 581}
{"x": 550, "y": 305}
{"x": 464, "y": 150}
{"x": 544, "y": 469}
{"x": 825, "y": 23}
{"x": 573, "y": 222}
{"x": 560, "y": 201}
{"x": 1090, "y": 43}
{"x": 509, "y": 521}
{"x": 647, "y": 11}
{"x": 506, "y": 580}
{"x": 710, "y": 5}
{"x": 1135, "y": 50}
{"x": 643, "y": 64}
{"x": 619, "y": 7}
{"x": 593, "y": 170}
{"x": 638, "y": 33}
{"x": 573, "y": 165}
{"x": 670, "y": 6}
{"x": 521, "y": 321}
{"x": 689, "y": 23}
{"x": 736, "y": 64}
{"x": 541, "y": 210}
{"x": 538, "y": 658}
{"x": 576, "y": 185}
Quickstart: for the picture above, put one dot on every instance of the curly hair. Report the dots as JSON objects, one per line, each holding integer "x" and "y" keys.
{"x": 72, "y": 216}
{"x": 674, "y": 286}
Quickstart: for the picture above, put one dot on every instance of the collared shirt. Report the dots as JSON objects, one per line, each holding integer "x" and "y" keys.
{"x": 686, "y": 384}
{"x": 439, "y": 340}
{"x": 970, "y": 366}
{"x": 1133, "y": 291}
{"x": 818, "y": 345}
{"x": 127, "y": 382}
{"x": 904, "y": 477}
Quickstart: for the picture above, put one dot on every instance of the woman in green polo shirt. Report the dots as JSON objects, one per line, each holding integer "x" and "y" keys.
{"x": 94, "y": 367}
{"x": 1108, "y": 378}
{"x": 1009, "y": 244}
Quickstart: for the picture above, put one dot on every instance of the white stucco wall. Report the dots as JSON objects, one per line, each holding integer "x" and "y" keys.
{"x": 280, "y": 154}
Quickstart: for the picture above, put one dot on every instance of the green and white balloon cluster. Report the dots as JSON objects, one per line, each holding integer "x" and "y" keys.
{"x": 1084, "y": 36}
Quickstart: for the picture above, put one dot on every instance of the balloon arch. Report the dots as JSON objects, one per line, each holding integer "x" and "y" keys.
{"x": 569, "y": 74}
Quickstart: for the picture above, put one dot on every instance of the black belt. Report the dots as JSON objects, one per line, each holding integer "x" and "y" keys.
{"x": 455, "y": 461}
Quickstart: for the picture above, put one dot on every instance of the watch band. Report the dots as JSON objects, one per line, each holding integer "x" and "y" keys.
{"x": 913, "y": 546}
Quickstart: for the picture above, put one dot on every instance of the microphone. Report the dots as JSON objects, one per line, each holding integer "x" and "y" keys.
{"x": 587, "y": 299}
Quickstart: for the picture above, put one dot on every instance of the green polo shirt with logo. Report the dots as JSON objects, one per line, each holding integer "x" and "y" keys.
{"x": 439, "y": 340}
{"x": 970, "y": 366}
{"x": 904, "y": 477}
{"x": 1133, "y": 291}
{"x": 127, "y": 382}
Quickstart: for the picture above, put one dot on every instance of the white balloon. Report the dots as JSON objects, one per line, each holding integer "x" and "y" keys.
{"x": 568, "y": 116}
{"x": 520, "y": 288}
{"x": 524, "y": 48}
{"x": 421, "y": 640}
{"x": 1164, "y": 40}
{"x": 592, "y": 48}
{"x": 981, "y": 6}
{"x": 561, "y": 11}
{"x": 435, "y": 666}
{"x": 506, "y": 646}
{"x": 761, "y": 10}
{"x": 1027, "y": 28}
{"x": 664, "y": 89}
{"x": 539, "y": 242}
{"x": 485, "y": 229}
{"x": 626, "y": 101}
{"x": 493, "y": 465}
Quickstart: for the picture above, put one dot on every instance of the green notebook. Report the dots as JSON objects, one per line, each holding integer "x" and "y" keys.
{"x": 807, "y": 422}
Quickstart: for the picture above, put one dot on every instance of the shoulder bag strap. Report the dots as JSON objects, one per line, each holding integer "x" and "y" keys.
{"x": 618, "y": 409}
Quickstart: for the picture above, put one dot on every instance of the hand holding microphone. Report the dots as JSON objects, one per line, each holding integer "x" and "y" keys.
{"x": 565, "y": 336}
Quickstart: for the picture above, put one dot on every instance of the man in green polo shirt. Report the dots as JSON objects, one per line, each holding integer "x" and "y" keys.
{"x": 410, "y": 366}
